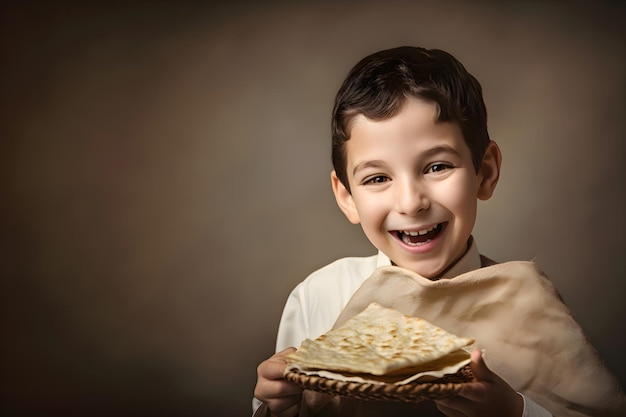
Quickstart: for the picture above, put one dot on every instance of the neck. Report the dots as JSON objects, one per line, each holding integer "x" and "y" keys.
{"x": 467, "y": 261}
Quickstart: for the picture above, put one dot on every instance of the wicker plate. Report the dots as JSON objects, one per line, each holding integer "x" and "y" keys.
{"x": 444, "y": 387}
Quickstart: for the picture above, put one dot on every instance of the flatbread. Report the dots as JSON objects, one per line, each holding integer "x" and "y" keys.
{"x": 378, "y": 341}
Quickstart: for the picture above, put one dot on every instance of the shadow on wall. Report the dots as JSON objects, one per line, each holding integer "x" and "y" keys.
{"x": 166, "y": 169}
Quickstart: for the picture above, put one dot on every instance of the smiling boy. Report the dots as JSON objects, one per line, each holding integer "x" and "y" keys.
{"x": 411, "y": 184}
{"x": 411, "y": 157}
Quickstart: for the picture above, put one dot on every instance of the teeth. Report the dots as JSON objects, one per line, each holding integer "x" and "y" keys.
{"x": 419, "y": 232}
{"x": 408, "y": 236}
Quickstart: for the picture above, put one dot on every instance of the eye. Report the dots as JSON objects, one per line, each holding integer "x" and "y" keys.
{"x": 437, "y": 167}
{"x": 377, "y": 179}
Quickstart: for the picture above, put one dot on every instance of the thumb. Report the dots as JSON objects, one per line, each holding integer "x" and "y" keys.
{"x": 479, "y": 367}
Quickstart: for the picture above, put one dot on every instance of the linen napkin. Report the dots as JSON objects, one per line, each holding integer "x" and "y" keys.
{"x": 529, "y": 337}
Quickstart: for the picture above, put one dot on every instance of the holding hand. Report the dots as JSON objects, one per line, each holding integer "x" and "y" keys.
{"x": 280, "y": 395}
{"x": 487, "y": 395}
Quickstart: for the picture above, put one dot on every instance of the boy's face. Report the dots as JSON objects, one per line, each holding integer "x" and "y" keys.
{"x": 413, "y": 186}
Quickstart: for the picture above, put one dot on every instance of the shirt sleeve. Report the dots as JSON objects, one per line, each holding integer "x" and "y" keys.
{"x": 294, "y": 324}
{"x": 532, "y": 409}
{"x": 292, "y": 327}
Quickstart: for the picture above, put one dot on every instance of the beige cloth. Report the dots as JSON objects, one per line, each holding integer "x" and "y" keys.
{"x": 514, "y": 313}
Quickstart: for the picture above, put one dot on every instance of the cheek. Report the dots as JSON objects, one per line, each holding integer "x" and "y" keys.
{"x": 461, "y": 204}
{"x": 371, "y": 211}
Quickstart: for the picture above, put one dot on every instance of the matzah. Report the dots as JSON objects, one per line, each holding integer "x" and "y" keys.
{"x": 378, "y": 341}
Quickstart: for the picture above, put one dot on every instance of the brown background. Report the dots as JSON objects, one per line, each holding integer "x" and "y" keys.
{"x": 165, "y": 180}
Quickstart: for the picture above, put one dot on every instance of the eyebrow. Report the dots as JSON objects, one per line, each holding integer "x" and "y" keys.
{"x": 440, "y": 149}
{"x": 376, "y": 163}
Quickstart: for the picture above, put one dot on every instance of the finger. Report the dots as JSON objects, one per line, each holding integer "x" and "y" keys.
{"x": 444, "y": 407}
{"x": 281, "y": 357}
{"x": 271, "y": 369}
{"x": 479, "y": 367}
{"x": 282, "y": 388}
{"x": 290, "y": 412}
{"x": 285, "y": 352}
{"x": 274, "y": 367}
{"x": 277, "y": 392}
{"x": 456, "y": 403}
{"x": 474, "y": 391}
{"x": 288, "y": 406}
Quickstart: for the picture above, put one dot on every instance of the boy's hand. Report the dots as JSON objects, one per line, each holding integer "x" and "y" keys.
{"x": 280, "y": 395}
{"x": 488, "y": 395}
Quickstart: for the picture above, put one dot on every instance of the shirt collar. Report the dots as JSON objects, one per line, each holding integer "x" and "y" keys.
{"x": 468, "y": 262}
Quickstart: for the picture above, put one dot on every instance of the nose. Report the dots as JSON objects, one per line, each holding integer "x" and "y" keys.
{"x": 411, "y": 198}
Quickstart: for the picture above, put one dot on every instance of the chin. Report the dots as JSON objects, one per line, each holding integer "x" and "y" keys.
{"x": 427, "y": 271}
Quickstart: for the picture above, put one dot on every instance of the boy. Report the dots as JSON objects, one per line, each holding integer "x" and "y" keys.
{"x": 411, "y": 157}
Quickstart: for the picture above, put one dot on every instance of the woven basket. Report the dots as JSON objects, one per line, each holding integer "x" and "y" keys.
{"x": 444, "y": 387}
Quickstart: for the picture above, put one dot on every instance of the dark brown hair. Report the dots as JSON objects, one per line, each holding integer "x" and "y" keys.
{"x": 378, "y": 86}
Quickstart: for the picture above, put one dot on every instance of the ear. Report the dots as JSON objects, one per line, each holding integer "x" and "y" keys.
{"x": 344, "y": 199}
{"x": 489, "y": 171}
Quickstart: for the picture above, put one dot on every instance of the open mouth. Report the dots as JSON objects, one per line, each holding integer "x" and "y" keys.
{"x": 419, "y": 237}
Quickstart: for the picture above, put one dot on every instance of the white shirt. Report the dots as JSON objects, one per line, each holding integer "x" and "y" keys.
{"x": 314, "y": 304}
